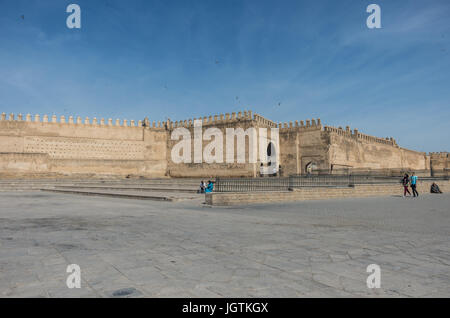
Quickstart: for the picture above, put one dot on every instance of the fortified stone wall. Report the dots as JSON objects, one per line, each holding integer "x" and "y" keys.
{"x": 302, "y": 144}
{"x": 310, "y": 146}
{"x": 220, "y": 123}
{"x": 440, "y": 163}
{"x": 82, "y": 147}
{"x": 77, "y": 146}
{"x": 352, "y": 149}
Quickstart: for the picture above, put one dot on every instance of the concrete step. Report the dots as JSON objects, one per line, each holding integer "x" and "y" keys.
{"x": 156, "y": 196}
{"x": 180, "y": 185}
{"x": 102, "y": 181}
{"x": 128, "y": 188}
{"x": 66, "y": 182}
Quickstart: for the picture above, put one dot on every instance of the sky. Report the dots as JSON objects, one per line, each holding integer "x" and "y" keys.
{"x": 286, "y": 60}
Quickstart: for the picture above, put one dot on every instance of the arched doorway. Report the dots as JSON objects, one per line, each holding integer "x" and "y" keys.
{"x": 272, "y": 159}
{"x": 310, "y": 167}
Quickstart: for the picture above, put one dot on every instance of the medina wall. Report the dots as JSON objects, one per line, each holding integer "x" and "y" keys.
{"x": 440, "y": 163}
{"x": 308, "y": 146}
{"x": 354, "y": 150}
{"x": 35, "y": 145}
{"x": 302, "y": 144}
{"x": 81, "y": 147}
{"x": 220, "y": 167}
{"x": 299, "y": 144}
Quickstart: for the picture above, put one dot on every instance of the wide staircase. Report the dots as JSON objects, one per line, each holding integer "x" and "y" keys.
{"x": 147, "y": 189}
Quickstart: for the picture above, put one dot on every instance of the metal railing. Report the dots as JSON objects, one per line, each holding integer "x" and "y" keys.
{"x": 445, "y": 172}
{"x": 305, "y": 181}
{"x": 251, "y": 184}
{"x": 442, "y": 173}
{"x": 300, "y": 181}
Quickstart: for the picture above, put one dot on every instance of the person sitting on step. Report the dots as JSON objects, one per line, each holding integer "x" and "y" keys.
{"x": 209, "y": 187}
{"x": 202, "y": 187}
{"x": 435, "y": 188}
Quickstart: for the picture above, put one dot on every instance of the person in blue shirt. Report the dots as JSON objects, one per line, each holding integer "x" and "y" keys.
{"x": 209, "y": 187}
{"x": 414, "y": 185}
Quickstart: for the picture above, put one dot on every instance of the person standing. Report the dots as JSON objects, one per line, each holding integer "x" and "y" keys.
{"x": 405, "y": 182}
{"x": 414, "y": 185}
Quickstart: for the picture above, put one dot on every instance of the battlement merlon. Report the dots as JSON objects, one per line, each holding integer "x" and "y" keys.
{"x": 71, "y": 120}
{"x": 355, "y": 134}
{"x": 316, "y": 124}
{"x": 168, "y": 124}
{"x": 247, "y": 116}
{"x": 443, "y": 154}
{"x": 309, "y": 124}
{"x": 214, "y": 119}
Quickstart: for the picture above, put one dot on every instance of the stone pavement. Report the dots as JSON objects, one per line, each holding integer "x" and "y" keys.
{"x": 135, "y": 248}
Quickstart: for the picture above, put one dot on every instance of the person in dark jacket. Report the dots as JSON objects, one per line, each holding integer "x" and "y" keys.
{"x": 435, "y": 188}
{"x": 405, "y": 182}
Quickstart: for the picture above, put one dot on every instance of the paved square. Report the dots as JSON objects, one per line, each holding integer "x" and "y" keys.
{"x": 134, "y": 248}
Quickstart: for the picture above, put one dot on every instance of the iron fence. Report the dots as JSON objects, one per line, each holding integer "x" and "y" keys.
{"x": 305, "y": 181}
{"x": 441, "y": 173}
{"x": 299, "y": 181}
{"x": 251, "y": 184}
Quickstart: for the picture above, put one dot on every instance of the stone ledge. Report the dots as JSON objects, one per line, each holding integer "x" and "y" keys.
{"x": 235, "y": 198}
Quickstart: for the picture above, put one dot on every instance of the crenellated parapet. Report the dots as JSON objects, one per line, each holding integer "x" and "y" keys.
{"x": 72, "y": 120}
{"x": 217, "y": 119}
{"x": 264, "y": 121}
{"x": 310, "y": 124}
{"x": 355, "y": 134}
{"x": 220, "y": 119}
{"x": 437, "y": 155}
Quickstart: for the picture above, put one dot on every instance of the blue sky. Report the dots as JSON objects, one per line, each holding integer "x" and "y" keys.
{"x": 189, "y": 58}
